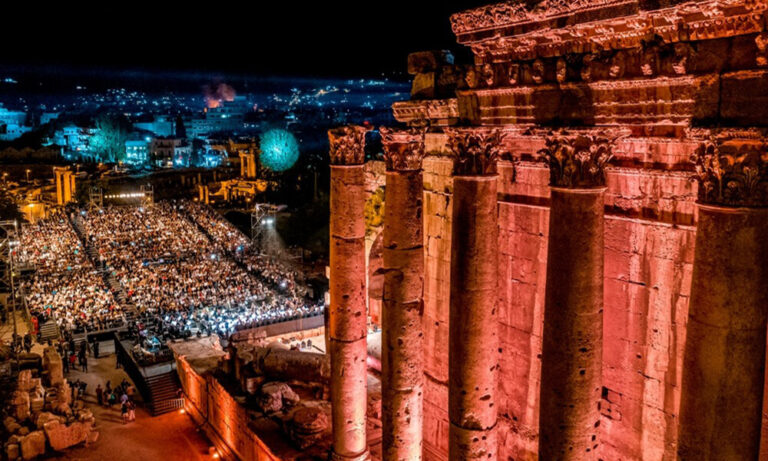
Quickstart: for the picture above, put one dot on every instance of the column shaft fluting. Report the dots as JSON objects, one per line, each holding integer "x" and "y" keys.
{"x": 348, "y": 318}
{"x": 473, "y": 343}
{"x": 571, "y": 368}
{"x": 402, "y": 330}
{"x": 724, "y": 364}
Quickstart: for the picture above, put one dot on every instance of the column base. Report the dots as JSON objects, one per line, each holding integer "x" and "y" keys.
{"x": 365, "y": 456}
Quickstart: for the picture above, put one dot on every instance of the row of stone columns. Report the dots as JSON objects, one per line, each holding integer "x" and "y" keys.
{"x": 724, "y": 364}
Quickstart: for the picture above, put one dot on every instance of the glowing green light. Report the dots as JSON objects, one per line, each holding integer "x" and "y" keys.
{"x": 279, "y": 150}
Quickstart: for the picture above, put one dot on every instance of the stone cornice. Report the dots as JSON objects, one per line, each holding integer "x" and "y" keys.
{"x": 509, "y": 31}
{"x": 403, "y": 149}
{"x": 517, "y": 13}
{"x": 475, "y": 150}
{"x": 347, "y": 145}
{"x": 577, "y": 161}
{"x": 732, "y": 173}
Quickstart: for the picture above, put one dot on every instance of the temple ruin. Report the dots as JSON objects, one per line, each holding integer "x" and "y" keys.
{"x": 621, "y": 260}
{"x": 573, "y": 244}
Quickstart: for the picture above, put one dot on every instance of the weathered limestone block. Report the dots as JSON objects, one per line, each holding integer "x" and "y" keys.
{"x": 25, "y": 381}
{"x": 287, "y": 364}
{"x": 12, "y": 451}
{"x": 21, "y": 405}
{"x": 44, "y": 417}
{"x": 85, "y": 415}
{"x": 53, "y": 364}
{"x": 36, "y": 404}
{"x": 307, "y": 426}
{"x": 11, "y": 425}
{"x": 275, "y": 396}
{"x": 33, "y": 445}
{"x": 61, "y": 436}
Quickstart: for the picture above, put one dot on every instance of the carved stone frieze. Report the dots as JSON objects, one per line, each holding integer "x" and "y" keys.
{"x": 347, "y": 145}
{"x": 577, "y": 161}
{"x": 475, "y": 150}
{"x": 761, "y": 42}
{"x": 732, "y": 173}
{"x": 403, "y": 149}
{"x": 432, "y": 112}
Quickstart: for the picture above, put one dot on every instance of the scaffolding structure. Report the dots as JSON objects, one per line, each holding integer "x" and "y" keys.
{"x": 148, "y": 195}
{"x": 95, "y": 198}
{"x": 263, "y": 219}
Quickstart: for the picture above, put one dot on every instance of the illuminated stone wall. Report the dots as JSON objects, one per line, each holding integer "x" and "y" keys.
{"x": 224, "y": 421}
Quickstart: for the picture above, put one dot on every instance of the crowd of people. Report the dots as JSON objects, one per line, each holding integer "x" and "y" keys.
{"x": 65, "y": 284}
{"x": 184, "y": 267}
{"x": 228, "y": 238}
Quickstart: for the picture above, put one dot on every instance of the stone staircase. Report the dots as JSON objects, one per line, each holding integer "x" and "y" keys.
{"x": 164, "y": 392}
{"x": 49, "y": 330}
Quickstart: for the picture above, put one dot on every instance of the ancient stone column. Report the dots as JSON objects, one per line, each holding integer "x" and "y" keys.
{"x": 473, "y": 335}
{"x": 572, "y": 349}
{"x": 348, "y": 319}
{"x": 724, "y": 362}
{"x": 402, "y": 377}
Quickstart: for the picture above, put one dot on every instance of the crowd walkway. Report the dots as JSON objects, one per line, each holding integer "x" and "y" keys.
{"x": 170, "y": 437}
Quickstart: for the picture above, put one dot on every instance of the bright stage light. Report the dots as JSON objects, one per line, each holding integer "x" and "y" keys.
{"x": 279, "y": 150}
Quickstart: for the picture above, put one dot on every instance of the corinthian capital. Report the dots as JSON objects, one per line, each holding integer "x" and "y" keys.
{"x": 347, "y": 145}
{"x": 733, "y": 174}
{"x": 403, "y": 149}
{"x": 475, "y": 150}
{"x": 577, "y": 161}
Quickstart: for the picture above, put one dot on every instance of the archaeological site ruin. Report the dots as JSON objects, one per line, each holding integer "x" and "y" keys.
{"x": 573, "y": 258}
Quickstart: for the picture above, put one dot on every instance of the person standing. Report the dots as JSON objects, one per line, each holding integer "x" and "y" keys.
{"x": 65, "y": 361}
{"x": 131, "y": 410}
{"x": 99, "y": 394}
{"x": 96, "y": 349}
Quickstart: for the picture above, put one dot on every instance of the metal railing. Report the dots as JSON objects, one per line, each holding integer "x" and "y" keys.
{"x": 165, "y": 406}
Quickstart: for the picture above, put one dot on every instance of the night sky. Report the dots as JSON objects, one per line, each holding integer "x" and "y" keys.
{"x": 284, "y": 38}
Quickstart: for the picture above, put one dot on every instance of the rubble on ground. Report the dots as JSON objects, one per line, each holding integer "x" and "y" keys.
{"x": 40, "y": 416}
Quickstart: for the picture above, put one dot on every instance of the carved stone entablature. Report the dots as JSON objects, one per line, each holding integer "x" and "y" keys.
{"x": 637, "y": 102}
{"x": 403, "y": 149}
{"x": 439, "y": 112}
{"x": 475, "y": 151}
{"x": 347, "y": 145}
{"x": 528, "y": 30}
{"x": 516, "y": 12}
{"x": 577, "y": 161}
{"x": 732, "y": 173}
